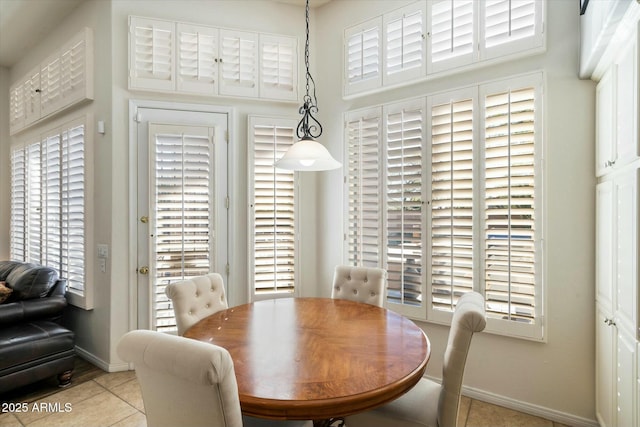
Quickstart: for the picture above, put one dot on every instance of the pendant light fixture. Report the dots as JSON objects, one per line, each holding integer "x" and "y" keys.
{"x": 307, "y": 154}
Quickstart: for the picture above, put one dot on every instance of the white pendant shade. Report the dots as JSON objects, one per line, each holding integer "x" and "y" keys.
{"x": 307, "y": 155}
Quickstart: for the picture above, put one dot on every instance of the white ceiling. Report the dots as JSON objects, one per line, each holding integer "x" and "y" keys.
{"x": 24, "y": 22}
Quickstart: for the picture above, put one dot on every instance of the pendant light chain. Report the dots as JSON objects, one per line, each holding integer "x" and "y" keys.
{"x": 305, "y": 129}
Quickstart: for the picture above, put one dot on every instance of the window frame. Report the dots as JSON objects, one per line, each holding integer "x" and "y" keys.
{"x": 79, "y": 298}
{"x": 535, "y": 80}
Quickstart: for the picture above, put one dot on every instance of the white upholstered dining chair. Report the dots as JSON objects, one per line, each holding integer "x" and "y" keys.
{"x": 187, "y": 383}
{"x": 429, "y": 403}
{"x": 360, "y": 284}
{"x": 196, "y": 298}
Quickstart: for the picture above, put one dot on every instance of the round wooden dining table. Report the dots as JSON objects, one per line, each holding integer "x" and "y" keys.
{"x": 316, "y": 358}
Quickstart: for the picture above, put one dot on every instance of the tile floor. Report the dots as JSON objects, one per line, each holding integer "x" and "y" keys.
{"x": 114, "y": 399}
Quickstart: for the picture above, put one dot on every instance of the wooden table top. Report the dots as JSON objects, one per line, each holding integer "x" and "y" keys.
{"x": 316, "y": 358}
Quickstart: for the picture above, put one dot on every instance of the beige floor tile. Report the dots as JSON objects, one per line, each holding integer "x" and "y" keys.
{"x": 130, "y": 393}
{"x": 114, "y": 379}
{"x": 136, "y": 420}
{"x": 9, "y": 420}
{"x": 482, "y": 414}
{"x": 102, "y": 410}
{"x": 463, "y": 411}
{"x": 72, "y": 395}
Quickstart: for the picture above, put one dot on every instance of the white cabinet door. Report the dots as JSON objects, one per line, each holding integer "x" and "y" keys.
{"x": 625, "y": 387}
{"x": 626, "y": 249}
{"x": 605, "y": 122}
{"x": 627, "y": 105}
{"x": 604, "y": 244}
{"x": 605, "y": 370}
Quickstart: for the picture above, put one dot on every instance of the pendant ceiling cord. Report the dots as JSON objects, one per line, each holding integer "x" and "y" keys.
{"x": 305, "y": 129}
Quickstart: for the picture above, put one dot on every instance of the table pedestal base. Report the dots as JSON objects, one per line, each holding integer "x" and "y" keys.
{"x": 331, "y": 422}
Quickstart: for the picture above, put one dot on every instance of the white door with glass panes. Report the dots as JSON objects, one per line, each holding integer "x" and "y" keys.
{"x": 182, "y": 205}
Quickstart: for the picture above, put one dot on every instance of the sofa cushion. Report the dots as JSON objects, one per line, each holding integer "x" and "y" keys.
{"x": 6, "y": 267}
{"x": 31, "y": 281}
{"x": 5, "y": 292}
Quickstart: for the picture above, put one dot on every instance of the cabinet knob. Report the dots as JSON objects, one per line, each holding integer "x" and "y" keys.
{"x": 609, "y": 322}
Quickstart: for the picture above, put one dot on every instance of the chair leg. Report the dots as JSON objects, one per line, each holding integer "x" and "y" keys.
{"x": 331, "y": 422}
{"x": 64, "y": 379}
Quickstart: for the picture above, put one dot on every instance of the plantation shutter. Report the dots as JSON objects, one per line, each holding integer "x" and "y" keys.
{"x": 197, "y": 59}
{"x": 363, "y": 182}
{"x": 50, "y": 85}
{"x": 273, "y": 205}
{"x": 278, "y": 67}
{"x": 34, "y": 204}
{"x": 182, "y": 205}
{"x": 509, "y": 205}
{"x": 18, "y": 203}
{"x": 510, "y": 26}
{"x": 31, "y": 97}
{"x": 239, "y": 74}
{"x": 362, "y": 59}
{"x": 451, "y": 202}
{"x": 51, "y": 201}
{"x": 76, "y": 71}
{"x": 404, "y": 44}
{"x": 451, "y": 34}
{"x": 16, "y": 107}
{"x": 74, "y": 178}
{"x": 404, "y": 132}
{"x": 152, "y": 51}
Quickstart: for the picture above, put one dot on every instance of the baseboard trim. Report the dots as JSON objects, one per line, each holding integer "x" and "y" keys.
{"x": 528, "y": 408}
{"x": 109, "y": 367}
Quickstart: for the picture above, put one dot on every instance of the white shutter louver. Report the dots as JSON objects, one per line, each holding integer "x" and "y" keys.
{"x": 404, "y": 44}
{"x": 404, "y": 127}
{"x": 17, "y": 107}
{"x": 239, "y": 53}
{"x": 363, "y": 56}
{"x": 451, "y": 34}
{"x": 51, "y": 164}
{"x": 364, "y": 218}
{"x": 509, "y": 205}
{"x": 34, "y": 207}
{"x": 278, "y": 67}
{"x": 182, "y": 202}
{"x": 76, "y": 74}
{"x": 73, "y": 207}
{"x": 18, "y": 204}
{"x": 31, "y": 98}
{"x": 152, "y": 51}
{"x": 50, "y": 85}
{"x": 197, "y": 59}
{"x": 273, "y": 208}
{"x": 451, "y": 202}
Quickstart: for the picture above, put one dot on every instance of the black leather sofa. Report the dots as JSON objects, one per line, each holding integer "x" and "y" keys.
{"x": 33, "y": 343}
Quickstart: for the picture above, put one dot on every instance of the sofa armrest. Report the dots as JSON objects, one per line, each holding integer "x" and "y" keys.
{"x": 50, "y": 308}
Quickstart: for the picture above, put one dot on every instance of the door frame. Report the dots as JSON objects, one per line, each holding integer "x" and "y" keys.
{"x": 134, "y": 105}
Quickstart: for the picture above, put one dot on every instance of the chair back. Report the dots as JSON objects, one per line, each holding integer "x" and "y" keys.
{"x": 361, "y": 284}
{"x": 468, "y": 317}
{"x": 184, "y": 382}
{"x": 196, "y": 298}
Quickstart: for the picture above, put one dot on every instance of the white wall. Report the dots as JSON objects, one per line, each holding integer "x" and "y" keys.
{"x": 554, "y": 378}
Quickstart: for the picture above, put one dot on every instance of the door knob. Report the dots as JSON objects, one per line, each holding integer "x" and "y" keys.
{"x": 143, "y": 270}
